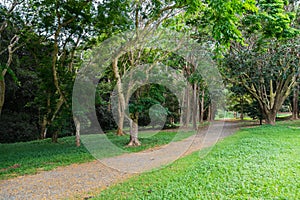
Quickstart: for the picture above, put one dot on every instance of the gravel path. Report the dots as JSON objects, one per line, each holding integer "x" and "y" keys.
{"x": 68, "y": 182}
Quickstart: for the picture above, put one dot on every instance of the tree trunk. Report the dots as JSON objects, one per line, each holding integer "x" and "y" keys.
{"x": 187, "y": 107}
{"x": 202, "y": 107}
{"x": 58, "y": 107}
{"x": 242, "y": 108}
{"x": 77, "y": 126}
{"x": 54, "y": 137}
{"x": 11, "y": 51}
{"x": 194, "y": 117}
{"x": 45, "y": 118}
{"x": 44, "y": 128}
{"x": 295, "y": 102}
{"x": 209, "y": 115}
{"x": 260, "y": 120}
{"x": 182, "y": 110}
{"x": 270, "y": 118}
{"x": 121, "y": 98}
{"x": 188, "y": 113}
{"x": 120, "y": 122}
{"x": 134, "y": 141}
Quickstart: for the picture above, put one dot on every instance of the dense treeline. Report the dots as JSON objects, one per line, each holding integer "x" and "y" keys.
{"x": 44, "y": 44}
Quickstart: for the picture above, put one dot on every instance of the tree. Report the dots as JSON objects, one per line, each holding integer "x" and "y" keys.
{"x": 253, "y": 110}
{"x": 268, "y": 76}
{"x": 11, "y": 29}
{"x": 267, "y": 63}
{"x": 239, "y": 99}
{"x": 64, "y": 26}
{"x": 145, "y": 15}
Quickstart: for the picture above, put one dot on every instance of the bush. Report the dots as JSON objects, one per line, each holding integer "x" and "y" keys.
{"x": 105, "y": 118}
{"x": 221, "y": 115}
{"x": 17, "y": 127}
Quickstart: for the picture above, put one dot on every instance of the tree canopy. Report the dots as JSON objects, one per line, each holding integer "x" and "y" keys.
{"x": 44, "y": 44}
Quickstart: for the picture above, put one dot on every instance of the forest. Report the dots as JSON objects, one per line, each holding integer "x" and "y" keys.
{"x": 71, "y": 67}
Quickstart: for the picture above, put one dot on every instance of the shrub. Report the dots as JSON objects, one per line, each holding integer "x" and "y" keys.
{"x": 17, "y": 127}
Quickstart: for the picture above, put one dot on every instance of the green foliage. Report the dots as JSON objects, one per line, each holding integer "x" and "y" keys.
{"x": 105, "y": 118}
{"x": 75, "y": 26}
{"x": 154, "y": 95}
{"x": 114, "y": 16}
{"x": 10, "y": 72}
{"x": 273, "y": 20}
{"x": 256, "y": 163}
{"x": 253, "y": 110}
{"x": 17, "y": 127}
{"x": 266, "y": 70}
{"x": 218, "y": 22}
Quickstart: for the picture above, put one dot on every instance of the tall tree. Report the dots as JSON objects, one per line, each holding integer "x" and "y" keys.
{"x": 268, "y": 64}
{"x": 268, "y": 76}
{"x": 11, "y": 28}
{"x": 65, "y": 26}
{"x": 144, "y": 15}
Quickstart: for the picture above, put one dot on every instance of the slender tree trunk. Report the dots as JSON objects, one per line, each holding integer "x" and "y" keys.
{"x": 194, "y": 117}
{"x": 44, "y": 127}
{"x": 77, "y": 126}
{"x": 182, "y": 110}
{"x": 121, "y": 119}
{"x": 134, "y": 141}
{"x": 121, "y": 98}
{"x": 242, "y": 108}
{"x": 54, "y": 137}
{"x": 55, "y": 74}
{"x": 202, "y": 107}
{"x": 260, "y": 120}
{"x": 210, "y": 113}
{"x": 45, "y": 121}
{"x": 11, "y": 51}
{"x": 295, "y": 102}
{"x": 187, "y": 106}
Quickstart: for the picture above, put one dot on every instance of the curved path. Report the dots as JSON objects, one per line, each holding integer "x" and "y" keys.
{"x": 76, "y": 179}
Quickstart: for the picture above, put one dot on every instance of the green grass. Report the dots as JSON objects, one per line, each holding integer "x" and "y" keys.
{"x": 31, "y": 157}
{"x": 255, "y": 163}
{"x": 149, "y": 141}
{"x": 224, "y": 115}
{"x": 283, "y": 115}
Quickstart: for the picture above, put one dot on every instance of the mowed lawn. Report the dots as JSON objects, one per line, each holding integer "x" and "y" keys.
{"x": 31, "y": 157}
{"x": 255, "y": 163}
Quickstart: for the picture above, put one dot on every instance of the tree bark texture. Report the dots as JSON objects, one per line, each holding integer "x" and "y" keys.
{"x": 202, "y": 107}
{"x": 295, "y": 102}
{"x": 194, "y": 106}
{"x": 121, "y": 98}
{"x": 134, "y": 141}
{"x": 77, "y": 126}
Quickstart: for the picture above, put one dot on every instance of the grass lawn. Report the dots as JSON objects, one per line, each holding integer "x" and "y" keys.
{"x": 31, "y": 157}
{"x": 255, "y": 163}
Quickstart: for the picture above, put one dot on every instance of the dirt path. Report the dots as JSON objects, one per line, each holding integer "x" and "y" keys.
{"x": 67, "y": 182}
